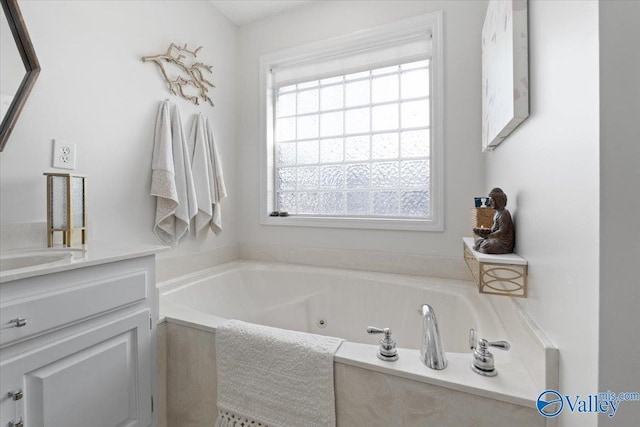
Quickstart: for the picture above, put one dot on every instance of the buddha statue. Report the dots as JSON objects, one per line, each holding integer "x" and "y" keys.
{"x": 500, "y": 238}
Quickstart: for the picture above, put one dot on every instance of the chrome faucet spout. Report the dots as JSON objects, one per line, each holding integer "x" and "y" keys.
{"x": 432, "y": 351}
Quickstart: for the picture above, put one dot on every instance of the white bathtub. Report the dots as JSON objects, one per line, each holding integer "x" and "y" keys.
{"x": 343, "y": 303}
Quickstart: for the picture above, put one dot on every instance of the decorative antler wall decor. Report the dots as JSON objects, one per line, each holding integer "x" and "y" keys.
{"x": 193, "y": 77}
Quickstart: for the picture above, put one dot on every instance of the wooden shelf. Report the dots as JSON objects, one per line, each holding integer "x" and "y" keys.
{"x": 496, "y": 274}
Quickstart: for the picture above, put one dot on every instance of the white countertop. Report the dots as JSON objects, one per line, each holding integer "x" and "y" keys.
{"x": 94, "y": 253}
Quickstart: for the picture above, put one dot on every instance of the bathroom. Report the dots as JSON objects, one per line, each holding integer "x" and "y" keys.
{"x": 569, "y": 169}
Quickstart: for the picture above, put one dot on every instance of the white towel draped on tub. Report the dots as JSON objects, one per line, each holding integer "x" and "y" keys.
{"x": 171, "y": 178}
{"x": 207, "y": 174}
{"x": 275, "y": 377}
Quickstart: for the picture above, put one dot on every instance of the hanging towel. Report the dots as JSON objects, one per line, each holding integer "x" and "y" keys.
{"x": 163, "y": 182}
{"x": 171, "y": 178}
{"x": 201, "y": 167}
{"x": 275, "y": 377}
{"x": 219, "y": 189}
{"x": 207, "y": 174}
{"x": 187, "y": 202}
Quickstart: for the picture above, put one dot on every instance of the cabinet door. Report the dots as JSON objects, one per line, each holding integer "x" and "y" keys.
{"x": 100, "y": 377}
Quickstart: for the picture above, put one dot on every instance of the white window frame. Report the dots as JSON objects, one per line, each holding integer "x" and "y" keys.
{"x": 427, "y": 25}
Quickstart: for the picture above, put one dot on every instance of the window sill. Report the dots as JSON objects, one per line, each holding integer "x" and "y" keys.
{"x": 354, "y": 223}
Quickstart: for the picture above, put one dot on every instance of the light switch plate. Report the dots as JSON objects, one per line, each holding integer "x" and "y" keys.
{"x": 64, "y": 155}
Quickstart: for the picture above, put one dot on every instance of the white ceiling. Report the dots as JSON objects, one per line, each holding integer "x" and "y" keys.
{"x": 242, "y": 12}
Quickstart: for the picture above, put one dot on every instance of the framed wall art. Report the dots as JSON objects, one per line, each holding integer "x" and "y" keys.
{"x": 505, "y": 70}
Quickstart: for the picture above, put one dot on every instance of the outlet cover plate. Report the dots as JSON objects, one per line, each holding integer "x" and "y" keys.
{"x": 64, "y": 155}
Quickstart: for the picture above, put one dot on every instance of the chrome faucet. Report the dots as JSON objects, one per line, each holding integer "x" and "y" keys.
{"x": 431, "y": 351}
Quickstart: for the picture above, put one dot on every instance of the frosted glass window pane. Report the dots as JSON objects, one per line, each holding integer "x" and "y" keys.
{"x": 77, "y": 201}
{"x": 415, "y": 114}
{"x": 413, "y": 65}
{"x": 357, "y": 121}
{"x": 59, "y": 201}
{"x": 414, "y": 143}
{"x": 308, "y": 152}
{"x": 308, "y": 177}
{"x": 308, "y": 101}
{"x": 285, "y": 89}
{"x": 331, "y": 124}
{"x": 285, "y": 129}
{"x": 331, "y": 150}
{"x": 384, "y": 175}
{"x": 331, "y": 97}
{"x": 414, "y": 203}
{"x": 356, "y": 148}
{"x": 286, "y": 153}
{"x": 386, "y": 203}
{"x": 385, "y": 117}
{"x": 384, "y": 146}
{"x": 332, "y": 203}
{"x": 358, "y": 176}
{"x": 331, "y": 80}
{"x": 287, "y": 202}
{"x": 385, "y": 70}
{"x": 332, "y": 177}
{"x": 286, "y": 178}
{"x": 415, "y": 83}
{"x": 414, "y": 173}
{"x": 355, "y": 76}
{"x": 385, "y": 89}
{"x": 307, "y": 203}
{"x": 286, "y": 105}
{"x": 308, "y": 127}
{"x": 357, "y": 93}
{"x": 358, "y": 203}
{"x": 307, "y": 85}
{"x": 357, "y": 144}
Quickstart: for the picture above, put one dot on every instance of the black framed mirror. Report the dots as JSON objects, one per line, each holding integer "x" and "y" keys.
{"x": 19, "y": 67}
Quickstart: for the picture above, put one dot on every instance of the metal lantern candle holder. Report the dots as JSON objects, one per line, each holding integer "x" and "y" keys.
{"x": 66, "y": 206}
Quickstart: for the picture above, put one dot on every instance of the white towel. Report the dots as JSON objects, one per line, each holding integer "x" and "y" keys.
{"x": 273, "y": 376}
{"x": 201, "y": 167}
{"x": 207, "y": 174}
{"x": 219, "y": 188}
{"x": 163, "y": 183}
{"x": 171, "y": 178}
{"x": 187, "y": 202}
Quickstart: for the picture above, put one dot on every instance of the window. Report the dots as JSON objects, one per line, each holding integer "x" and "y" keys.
{"x": 352, "y": 132}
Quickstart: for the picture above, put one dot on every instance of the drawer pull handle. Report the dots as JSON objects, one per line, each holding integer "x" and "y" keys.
{"x": 18, "y": 322}
{"x": 16, "y": 395}
{"x": 16, "y": 423}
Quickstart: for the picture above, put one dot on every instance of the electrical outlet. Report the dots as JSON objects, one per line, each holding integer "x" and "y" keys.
{"x": 64, "y": 155}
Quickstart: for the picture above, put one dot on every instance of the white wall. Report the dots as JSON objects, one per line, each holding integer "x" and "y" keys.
{"x": 94, "y": 91}
{"x": 549, "y": 169}
{"x": 463, "y": 161}
{"x": 619, "y": 368}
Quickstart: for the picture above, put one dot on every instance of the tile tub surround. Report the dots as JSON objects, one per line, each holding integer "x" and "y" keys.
{"x": 161, "y": 406}
{"x": 378, "y": 261}
{"x": 169, "y": 266}
{"x": 363, "y": 397}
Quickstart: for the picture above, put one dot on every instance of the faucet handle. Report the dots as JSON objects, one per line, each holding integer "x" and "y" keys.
{"x": 502, "y": 345}
{"x": 374, "y": 330}
{"x": 387, "y": 350}
{"x": 482, "y": 344}
{"x": 483, "y": 361}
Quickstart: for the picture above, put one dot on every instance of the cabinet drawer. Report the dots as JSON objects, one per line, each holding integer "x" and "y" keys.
{"x": 51, "y": 310}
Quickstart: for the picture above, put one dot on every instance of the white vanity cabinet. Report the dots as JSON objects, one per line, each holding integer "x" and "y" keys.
{"x": 77, "y": 347}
